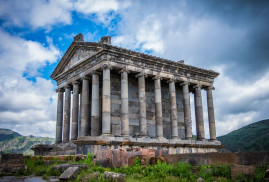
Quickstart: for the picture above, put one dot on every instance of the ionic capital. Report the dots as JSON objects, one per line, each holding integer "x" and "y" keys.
{"x": 184, "y": 83}
{"x": 76, "y": 82}
{"x": 210, "y": 88}
{"x": 59, "y": 90}
{"x": 85, "y": 78}
{"x": 106, "y": 66}
{"x": 157, "y": 77}
{"x": 94, "y": 72}
{"x": 141, "y": 74}
{"x": 67, "y": 86}
{"x": 171, "y": 80}
{"x": 197, "y": 86}
{"x": 124, "y": 70}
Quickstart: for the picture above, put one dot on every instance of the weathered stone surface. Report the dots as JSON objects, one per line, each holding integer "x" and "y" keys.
{"x": 117, "y": 177}
{"x": 242, "y": 169}
{"x": 12, "y": 163}
{"x": 69, "y": 173}
{"x": 63, "y": 167}
{"x": 90, "y": 177}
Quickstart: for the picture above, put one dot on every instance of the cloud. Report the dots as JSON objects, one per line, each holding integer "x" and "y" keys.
{"x": 45, "y": 14}
{"x": 26, "y": 104}
{"x": 230, "y": 37}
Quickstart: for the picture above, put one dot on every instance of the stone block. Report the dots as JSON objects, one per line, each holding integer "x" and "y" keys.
{"x": 69, "y": 173}
{"x": 116, "y": 130}
{"x": 117, "y": 177}
{"x": 63, "y": 167}
{"x": 242, "y": 169}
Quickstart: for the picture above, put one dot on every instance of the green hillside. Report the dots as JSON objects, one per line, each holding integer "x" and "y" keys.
{"x": 253, "y": 137}
{"x": 12, "y": 142}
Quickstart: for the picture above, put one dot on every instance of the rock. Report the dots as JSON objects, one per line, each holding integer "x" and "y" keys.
{"x": 161, "y": 159}
{"x": 69, "y": 173}
{"x": 63, "y": 167}
{"x": 241, "y": 169}
{"x": 116, "y": 177}
{"x": 145, "y": 160}
{"x": 90, "y": 177}
{"x": 200, "y": 179}
{"x": 153, "y": 160}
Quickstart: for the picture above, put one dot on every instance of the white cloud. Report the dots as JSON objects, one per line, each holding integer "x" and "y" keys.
{"x": 45, "y": 14}
{"x": 26, "y": 105}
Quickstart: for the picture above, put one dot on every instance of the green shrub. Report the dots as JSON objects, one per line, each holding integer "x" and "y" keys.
{"x": 222, "y": 170}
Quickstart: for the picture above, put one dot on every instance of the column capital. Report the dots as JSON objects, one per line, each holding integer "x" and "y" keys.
{"x": 85, "y": 78}
{"x": 124, "y": 70}
{"x": 67, "y": 86}
{"x": 197, "y": 86}
{"x": 59, "y": 90}
{"x": 94, "y": 72}
{"x": 106, "y": 66}
{"x": 171, "y": 80}
{"x": 76, "y": 82}
{"x": 157, "y": 77}
{"x": 210, "y": 88}
{"x": 184, "y": 83}
{"x": 141, "y": 74}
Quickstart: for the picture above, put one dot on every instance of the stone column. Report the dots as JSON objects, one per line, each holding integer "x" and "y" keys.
{"x": 106, "y": 107}
{"x": 124, "y": 103}
{"x": 59, "y": 122}
{"x": 85, "y": 106}
{"x": 79, "y": 117}
{"x": 142, "y": 104}
{"x": 75, "y": 107}
{"x": 187, "y": 111}
{"x": 173, "y": 108}
{"x": 95, "y": 118}
{"x": 199, "y": 113}
{"x": 67, "y": 105}
{"x": 158, "y": 106}
{"x": 211, "y": 115}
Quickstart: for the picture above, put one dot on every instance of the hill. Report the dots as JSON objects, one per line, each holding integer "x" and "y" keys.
{"x": 253, "y": 137}
{"x": 13, "y": 142}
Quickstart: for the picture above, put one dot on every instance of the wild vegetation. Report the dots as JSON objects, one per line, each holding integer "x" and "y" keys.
{"x": 137, "y": 172}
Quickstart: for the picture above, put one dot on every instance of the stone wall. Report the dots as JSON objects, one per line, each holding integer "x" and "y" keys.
{"x": 150, "y": 106}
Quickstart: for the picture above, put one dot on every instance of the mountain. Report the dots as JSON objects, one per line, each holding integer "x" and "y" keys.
{"x": 253, "y": 137}
{"x": 13, "y": 142}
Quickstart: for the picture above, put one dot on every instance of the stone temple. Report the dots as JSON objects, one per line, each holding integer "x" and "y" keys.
{"x": 111, "y": 98}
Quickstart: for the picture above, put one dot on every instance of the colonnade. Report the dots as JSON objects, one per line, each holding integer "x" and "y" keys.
{"x": 93, "y": 126}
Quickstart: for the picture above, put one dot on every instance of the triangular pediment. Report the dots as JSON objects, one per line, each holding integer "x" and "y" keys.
{"x": 78, "y": 56}
{"x": 73, "y": 56}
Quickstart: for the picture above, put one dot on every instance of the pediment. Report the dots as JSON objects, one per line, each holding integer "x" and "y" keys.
{"x": 78, "y": 56}
{"x": 73, "y": 56}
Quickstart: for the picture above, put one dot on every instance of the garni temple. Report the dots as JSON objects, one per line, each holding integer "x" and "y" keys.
{"x": 113, "y": 98}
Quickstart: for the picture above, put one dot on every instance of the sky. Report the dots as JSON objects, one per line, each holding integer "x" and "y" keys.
{"x": 230, "y": 37}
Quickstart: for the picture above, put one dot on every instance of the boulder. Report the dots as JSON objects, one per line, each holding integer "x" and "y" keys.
{"x": 116, "y": 177}
{"x": 69, "y": 173}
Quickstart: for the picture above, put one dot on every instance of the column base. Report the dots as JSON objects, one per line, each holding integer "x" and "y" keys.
{"x": 175, "y": 138}
{"x": 188, "y": 138}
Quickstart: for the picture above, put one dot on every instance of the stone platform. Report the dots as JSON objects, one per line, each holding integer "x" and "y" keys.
{"x": 95, "y": 144}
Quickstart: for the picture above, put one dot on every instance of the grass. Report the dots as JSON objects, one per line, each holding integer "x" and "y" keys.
{"x": 158, "y": 172}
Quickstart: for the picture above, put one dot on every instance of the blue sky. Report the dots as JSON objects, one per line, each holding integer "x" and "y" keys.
{"x": 230, "y": 37}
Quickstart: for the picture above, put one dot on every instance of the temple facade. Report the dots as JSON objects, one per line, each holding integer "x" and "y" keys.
{"x": 110, "y": 97}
